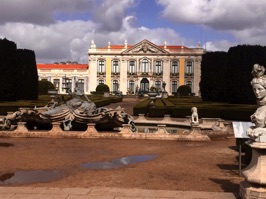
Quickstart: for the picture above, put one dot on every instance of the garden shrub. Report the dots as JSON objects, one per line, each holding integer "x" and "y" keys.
{"x": 184, "y": 90}
{"x": 44, "y": 86}
{"x": 142, "y": 107}
{"x": 101, "y": 88}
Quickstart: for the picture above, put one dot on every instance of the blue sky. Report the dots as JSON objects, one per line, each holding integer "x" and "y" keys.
{"x": 62, "y": 30}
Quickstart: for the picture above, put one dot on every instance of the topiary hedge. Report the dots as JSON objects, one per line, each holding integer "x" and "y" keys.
{"x": 44, "y": 86}
{"x": 142, "y": 107}
{"x": 101, "y": 88}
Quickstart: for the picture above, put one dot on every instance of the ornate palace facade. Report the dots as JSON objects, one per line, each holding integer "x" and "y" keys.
{"x": 65, "y": 75}
{"x": 132, "y": 68}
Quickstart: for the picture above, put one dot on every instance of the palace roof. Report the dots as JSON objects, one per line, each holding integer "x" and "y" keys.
{"x": 63, "y": 66}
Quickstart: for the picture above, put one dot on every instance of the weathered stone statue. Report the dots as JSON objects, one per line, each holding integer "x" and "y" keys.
{"x": 194, "y": 116}
{"x": 74, "y": 110}
{"x": 254, "y": 185}
{"x": 258, "y": 132}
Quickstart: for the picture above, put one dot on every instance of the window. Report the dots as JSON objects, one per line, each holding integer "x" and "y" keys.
{"x": 174, "y": 86}
{"x": 158, "y": 67}
{"x": 56, "y": 83}
{"x": 175, "y": 67}
{"x": 131, "y": 86}
{"x": 131, "y": 66}
{"x": 115, "y": 86}
{"x": 145, "y": 66}
{"x": 115, "y": 67}
{"x": 189, "y": 67}
{"x": 67, "y": 84}
{"x": 101, "y": 66}
{"x": 101, "y": 82}
{"x": 189, "y": 83}
{"x": 80, "y": 84}
{"x": 158, "y": 84}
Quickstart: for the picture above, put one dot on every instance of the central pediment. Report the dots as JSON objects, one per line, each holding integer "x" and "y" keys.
{"x": 145, "y": 47}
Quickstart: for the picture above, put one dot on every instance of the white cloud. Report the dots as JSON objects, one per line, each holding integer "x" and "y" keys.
{"x": 221, "y": 45}
{"x": 244, "y": 19}
{"x": 40, "y": 12}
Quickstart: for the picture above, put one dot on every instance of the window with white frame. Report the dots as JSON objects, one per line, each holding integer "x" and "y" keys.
{"x": 115, "y": 86}
{"x": 189, "y": 67}
{"x": 80, "y": 84}
{"x": 132, "y": 66}
{"x": 174, "y": 86}
{"x": 158, "y": 67}
{"x": 131, "y": 86}
{"x": 189, "y": 83}
{"x": 101, "y": 66}
{"x": 115, "y": 66}
{"x": 145, "y": 66}
{"x": 158, "y": 84}
{"x": 101, "y": 81}
{"x": 56, "y": 83}
{"x": 175, "y": 67}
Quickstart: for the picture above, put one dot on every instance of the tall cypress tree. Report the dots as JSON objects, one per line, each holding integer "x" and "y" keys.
{"x": 8, "y": 70}
{"x": 27, "y": 88}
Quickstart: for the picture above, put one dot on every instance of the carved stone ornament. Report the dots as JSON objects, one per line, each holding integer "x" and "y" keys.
{"x": 258, "y": 131}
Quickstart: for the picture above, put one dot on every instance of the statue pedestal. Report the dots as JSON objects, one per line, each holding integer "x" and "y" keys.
{"x": 91, "y": 130}
{"x": 254, "y": 186}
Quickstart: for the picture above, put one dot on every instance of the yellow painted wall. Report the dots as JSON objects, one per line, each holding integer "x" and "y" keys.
{"x": 182, "y": 71}
{"x": 108, "y": 72}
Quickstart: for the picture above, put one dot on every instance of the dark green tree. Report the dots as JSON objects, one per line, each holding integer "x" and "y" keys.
{"x": 28, "y": 79}
{"x": 8, "y": 70}
{"x": 213, "y": 76}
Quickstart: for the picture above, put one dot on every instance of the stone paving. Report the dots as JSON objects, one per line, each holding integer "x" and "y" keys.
{"x": 106, "y": 193}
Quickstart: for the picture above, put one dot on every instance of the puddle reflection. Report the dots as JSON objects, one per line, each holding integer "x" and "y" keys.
{"x": 117, "y": 163}
{"x": 23, "y": 177}
{"x": 40, "y": 176}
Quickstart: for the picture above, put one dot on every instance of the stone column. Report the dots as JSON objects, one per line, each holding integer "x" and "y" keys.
{"x": 254, "y": 186}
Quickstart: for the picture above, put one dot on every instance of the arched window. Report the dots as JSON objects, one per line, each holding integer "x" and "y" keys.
{"x": 189, "y": 67}
{"x": 189, "y": 83}
{"x": 132, "y": 66}
{"x": 145, "y": 66}
{"x": 175, "y": 67}
{"x": 158, "y": 67}
{"x": 131, "y": 86}
{"x": 158, "y": 84}
{"x": 101, "y": 66}
{"x": 115, "y": 66}
{"x": 101, "y": 82}
{"x": 174, "y": 86}
{"x": 115, "y": 86}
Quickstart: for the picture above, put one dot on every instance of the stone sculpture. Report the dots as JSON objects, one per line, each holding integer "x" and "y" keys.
{"x": 258, "y": 132}
{"x": 194, "y": 116}
{"x": 74, "y": 110}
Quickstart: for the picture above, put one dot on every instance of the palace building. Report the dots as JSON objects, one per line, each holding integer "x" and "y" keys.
{"x": 65, "y": 75}
{"x": 137, "y": 68}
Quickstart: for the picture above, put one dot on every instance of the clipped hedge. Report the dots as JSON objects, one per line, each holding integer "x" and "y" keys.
{"x": 180, "y": 107}
{"x": 142, "y": 107}
{"x": 159, "y": 109}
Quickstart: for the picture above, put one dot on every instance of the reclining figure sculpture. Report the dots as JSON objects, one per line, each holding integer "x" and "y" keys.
{"x": 74, "y": 110}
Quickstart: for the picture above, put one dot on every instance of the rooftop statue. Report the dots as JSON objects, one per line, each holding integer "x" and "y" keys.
{"x": 74, "y": 110}
{"x": 258, "y": 132}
